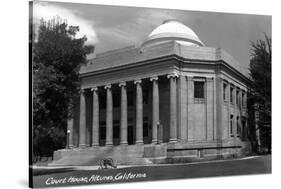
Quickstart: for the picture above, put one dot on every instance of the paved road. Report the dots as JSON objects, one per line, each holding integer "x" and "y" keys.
{"x": 250, "y": 165}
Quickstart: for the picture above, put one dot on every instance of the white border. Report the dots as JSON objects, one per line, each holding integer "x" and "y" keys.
{"x": 14, "y": 92}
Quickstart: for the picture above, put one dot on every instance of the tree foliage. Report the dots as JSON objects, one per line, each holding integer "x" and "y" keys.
{"x": 260, "y": 72}
{"x": 57, "y": 56}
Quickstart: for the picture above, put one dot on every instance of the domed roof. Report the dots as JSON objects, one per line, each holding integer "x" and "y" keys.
{"x": 173, "y": 30}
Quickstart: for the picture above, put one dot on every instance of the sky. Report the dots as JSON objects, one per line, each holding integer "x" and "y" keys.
{"x": 113, "y": 27}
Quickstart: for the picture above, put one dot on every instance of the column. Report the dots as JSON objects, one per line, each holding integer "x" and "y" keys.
{"x": 218, "y": 129}
{"x": 155, "y": 108}
{"x": 173, "y": 107}
{"x": 190, "y": 102}
{"x": 109, "y": 115}
{"x": 245, "y": 114}
{"x": 228, "y": 112}
{"x": 215, "y": 107}
{"x": 183, "y": 107}
{"x": 124, "y": 113}
{"x": 82, "y": 123}
{"x": 95, "y": 125}
{"x": 236, "y": 111}
{"x": 240, "y": 114}
{"x": 139, "y": 116}
{"x": 209, "y": 109}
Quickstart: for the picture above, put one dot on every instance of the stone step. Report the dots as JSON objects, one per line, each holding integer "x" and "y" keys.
{"x": 129, "y": 155}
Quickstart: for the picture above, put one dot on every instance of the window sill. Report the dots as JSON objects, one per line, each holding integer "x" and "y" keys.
{"x": 199, "y": 100}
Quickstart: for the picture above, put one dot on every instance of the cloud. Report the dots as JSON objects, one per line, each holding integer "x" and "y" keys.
{"x": 128, "y": 26}
{"x": 48, "y": 12}
{"x": 155, "y": 17}
{"x": 137, "y": 26}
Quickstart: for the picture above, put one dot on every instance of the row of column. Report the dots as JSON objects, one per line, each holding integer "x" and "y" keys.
{"x": 124, "y": 113}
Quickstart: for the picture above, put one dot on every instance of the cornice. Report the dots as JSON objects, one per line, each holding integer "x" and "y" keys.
{"x": 219, "y": 63}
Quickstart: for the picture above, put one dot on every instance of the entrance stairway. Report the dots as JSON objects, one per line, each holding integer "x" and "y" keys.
{"x": 129, "y": 154}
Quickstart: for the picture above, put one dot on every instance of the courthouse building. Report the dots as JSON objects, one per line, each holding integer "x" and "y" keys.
{"x": 170, "y": 99}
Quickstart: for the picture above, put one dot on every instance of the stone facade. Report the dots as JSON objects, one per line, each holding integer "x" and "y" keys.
{"x": 163, "y": 103}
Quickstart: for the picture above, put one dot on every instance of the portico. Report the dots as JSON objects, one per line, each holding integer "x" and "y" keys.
{"x": 152, "y": 103}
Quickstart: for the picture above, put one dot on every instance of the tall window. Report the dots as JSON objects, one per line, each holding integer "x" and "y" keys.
{"x": 145, "y": 96}
{"x": 130, "y": 97}
{"x": 243, "y": 99}
{"x": 231, "y": 125}
{"x": 102, "y": 133}
{"x": 145, "y": 127}
{"x": 116, "y": 129}
{"x": 231, "y": 94}
{"x": 102, "y": 100}
{"x": 238, "y": 126}
{"x": 116, "y": 100}
{"x": 237, "y": 97}
{"x": 130, "y": 131}
{"x": 199, "y": 89}
{"x": 224, "y": 91}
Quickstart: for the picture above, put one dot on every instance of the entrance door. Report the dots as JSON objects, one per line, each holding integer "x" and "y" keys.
{"x": 130, "y": 134}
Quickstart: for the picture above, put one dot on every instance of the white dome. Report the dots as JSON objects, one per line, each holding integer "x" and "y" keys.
{"x": 173, "y": 30}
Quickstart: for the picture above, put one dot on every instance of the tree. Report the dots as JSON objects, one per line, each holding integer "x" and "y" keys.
{"x": 260, "y": 74}
{"x": 57, "y": 56}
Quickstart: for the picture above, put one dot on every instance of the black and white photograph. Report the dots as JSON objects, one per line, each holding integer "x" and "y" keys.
{"x": 130, "y": 94}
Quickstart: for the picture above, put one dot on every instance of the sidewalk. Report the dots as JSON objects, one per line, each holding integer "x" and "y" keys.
{"x": 49, "y": 169}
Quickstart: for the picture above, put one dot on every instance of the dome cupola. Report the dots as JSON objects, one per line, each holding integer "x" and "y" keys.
{"x": 173, "y": 30}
